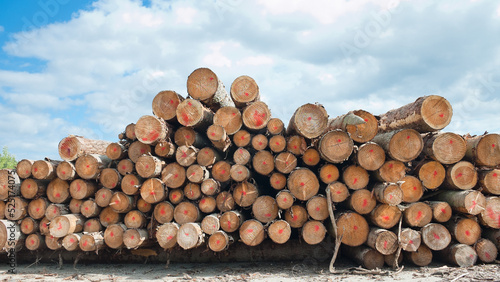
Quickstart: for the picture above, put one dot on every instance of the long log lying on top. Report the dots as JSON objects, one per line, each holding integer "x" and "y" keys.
{"x": 426, "y": 114}
{"x": 72, "y": 147}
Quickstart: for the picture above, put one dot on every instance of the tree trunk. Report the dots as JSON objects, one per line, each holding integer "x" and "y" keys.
{"x": 90, "y": 166}
{"x": 462, "y": 175}
{"x": 53, "y": 243}
{"x": 186, "y": 212}
{"x": 252, "y": 232}
{"x": 417, "y": 214}
{"x": 210, "y": 224}
{"x": 72, "y": 147}
{"x": 116, "y": 151}
{"x": 391, "y": 171}
{"x": 137, "y": 219}
{"x": 165, "y": 149}
{"x": 92, "y": 242}
{"x": 242, "y": 138}
{"x": 197, "y": 173}
{"x": 82, "y": 189}
{"x": 263, "y": 162}
{"x": 108, "y": 217}
{"x": 136, "y": 238}
{"x": 240, "y": 173}
{"x": 275, "y": 126}
{"x": 296, "y": 216}
{"x": 309, "y": 121}
{"x": 192, "y": 191}
{"x": 44, "y": 169}
{"x": 313, "y": 232}
{"x": 55, "y": 210}
{"x": 483, "y": 150}
{"x": 144, "y": 206}
{"x": 441, "y": 211}
{"x": 412, "y": 189}
{"x": 245, "y": 193}
{"x": 355, "y": 177}
{"x": 403, "y": 145}
{"x": 225, "y": 201}
{"x": 204, "y": 85}
{"x": 284, "y": 162}
{"x": 335, "y": 146}
{"x": 75, "y": 205}
{"x": 173, "y": 175}
{"x": 113, "y": 235}
{"x": 66, "y": 170}
{"x": 186, "y": 156}
{"x": 192, "y": 113}
{"x": 279, "y": 231}
{"x": 242, "y": 156}
{"x": 277, "y": 181}
{"x": 103, "y": 197}
{"x": 311, "y": 157}
{"x": 71, "y": 242}
{"x": 137, "y": 149}
{"x": 121, "y": 202}
{"x": 165, "y": 104}
{"x": 37, "y": 208}
{"x": 385, "y": 216}
{"x": 92, "y": 225}
{"x": 486, "y": 250}
{"x": 382, "y": 240}
{"x": 361, "y": 201}
{"x": 90, "y": 209}
{"x": 352, "y": 228}
{"x": 221, "y": 171}
{"x": 35, "y": 242}
{"x": 421, "y": 257}
{"x": 229, "y": 118}
{"x": 284, "y": 199}
{"x": 153, "y": 190}
{"x": 207, "y": 204}
{"x": 490, "y": 216}
{"x": 303, "y": 184}
{"x": 426, "y": 114}
{"x": 186, "y": 136}
{"x": 446, "y": 148}
{"x": 255, "y": 116}
{"x": 365, "y": 256}
{"x": 190, "y": 235}
{"x": 464, "y": 230}
{"x": 29, "y": 226}
{"x": 459, "y": 254}
{"x": 329, "y": 173}
{"x": 125, "y": 166}
{"x": 388, "y": 193}
{"x": 410, "y": 240}
{"x": 24, "y": 167}
{"x": 148, "y": 166}
{"x": 166, "y": 235}
{"x": 370, "y": 156}
{"x": 361, "y": 125}
{"x": 468, "y": 201}
{"x": 435, "y": 236}
{"x": 277, "y": 144}
{"x": 231, "y": 221}
{"x": 31, "y": 188}
{"x": 210, "y": 187}
{"x": 265, "y": 209}
{"x": 259, "y": 142}
{"x": 208, "y": 156}
{"x": 219, "y": 138}
{"x": 431, "y": 173}
{"x": 296, "y": 145}
{"x": 489, "y": 180}
{"x": 66, "y": 224}
{"x": 58, "y": 191}
{"x": 244, "y": 90}
{"x": 317, "y": 207}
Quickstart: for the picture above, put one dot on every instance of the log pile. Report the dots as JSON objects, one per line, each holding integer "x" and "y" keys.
{"x": 216, "y": 168}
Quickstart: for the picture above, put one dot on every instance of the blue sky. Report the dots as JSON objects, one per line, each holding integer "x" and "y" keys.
{"x": 92, "y": 67}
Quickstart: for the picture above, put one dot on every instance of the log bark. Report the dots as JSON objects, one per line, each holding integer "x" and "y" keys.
{"x": 303, "y": 184}
{"x": 403, "y": 145}
{"x": 483, "y": 150}
{"x": 365, "y": 256}
{"x": 192, "y": 113}
{"x": 255, "y": 116}
{"x": 435, "y": 236}
{"x": 204, "y": 85}
{"x": 467, "y": 201}
{"x": 90, "y": 166}
{"x": 459, "y": 254}
{"x": 446, "y": 147}
{"x": 244, "y": 90}
{"x": 309, "y": 121}
{"x": 335, "y": 146}
{"x": 229, "y": 118}
{"x": 72, "y": 147}
{"x": 426, "y": 114}
{"x": 165, "y": 104}
{"x": 361, "y": 125}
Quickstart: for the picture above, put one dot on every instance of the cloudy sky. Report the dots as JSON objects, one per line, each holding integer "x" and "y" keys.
{"x": 92, "y": 67}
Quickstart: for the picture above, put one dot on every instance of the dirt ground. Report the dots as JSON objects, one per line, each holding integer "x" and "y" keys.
{"x": 281, "y": 271}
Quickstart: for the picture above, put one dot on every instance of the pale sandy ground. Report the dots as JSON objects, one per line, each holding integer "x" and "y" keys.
{"x": 290, "y": 271}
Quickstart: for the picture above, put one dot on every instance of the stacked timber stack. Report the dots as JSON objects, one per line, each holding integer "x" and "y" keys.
{"x": 215, "y": 168}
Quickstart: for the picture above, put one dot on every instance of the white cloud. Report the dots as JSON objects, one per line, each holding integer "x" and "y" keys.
{"x": 2, "y": 29}
{"x": 101, "y": 69}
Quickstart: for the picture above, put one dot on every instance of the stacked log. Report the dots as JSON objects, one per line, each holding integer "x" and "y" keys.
{"x": 215, "y": 167}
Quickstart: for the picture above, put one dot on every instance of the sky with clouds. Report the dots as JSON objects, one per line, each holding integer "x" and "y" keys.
{"x": 92, "y": 67}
